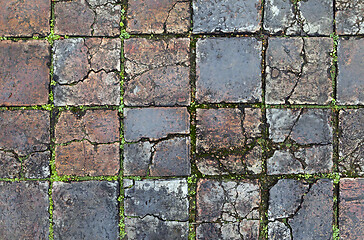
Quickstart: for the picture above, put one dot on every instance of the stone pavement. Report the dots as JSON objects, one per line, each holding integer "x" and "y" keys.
{"x": 178, "y": 119}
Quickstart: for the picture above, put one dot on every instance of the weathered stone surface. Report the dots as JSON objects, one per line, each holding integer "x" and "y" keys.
{"x": 24, "y": 73}
{"x": 246, "y": 229}
{"x": 350, "y": 84}
{"x": 87, "y": 17}
{"x": 98, "y": 126}
{"x": 351, "y": 144}
{"x": 24, "y": 210}
{"x": 349, "y": 16}
{"x": 302, "y": 141}
{"x": 228, "y": 70}
{"x": 157, "y": 72}
{"x": 25, "y": 18}
{"x": 162, "y": 16}
{"x": 10, "y": 165}
{"x": 86, "y": 159}
{"x": 227, "y": 201}
{"x": 309, "y": 209}
{"x": 226, "y": 128}
{"x": 298, "y": 71}
{"x": 351, "y": 208}
{"x": 137, "y": 157}
{"x": 226, "y": 16}
{"x": 155, "y": 123}
{"x": 85, "y": 210}
{"x": 311, "y": 17}
{"x": 37, "y": 165}
{"x": 164, "y": 199}
{"x": 151, "y": 227}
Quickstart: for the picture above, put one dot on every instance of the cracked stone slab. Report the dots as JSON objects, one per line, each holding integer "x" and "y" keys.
{"x": 228, "y": 70}
{"x": 298, "y": 71}
{"x": 226, "y": 128}
{"x": 310, "y": 17}
{"x": 24, "y": 210}
{"x": 227, "y": 201}
{"x": 351, "y": 143}
{"x": 349, "y": 17}
{"x": 246, "y": 229}
{"x": 169, "y": 157}
{"x": 87, "y": 17}
{"x": 151, "y": 227}
{"x": 25, "y": 18}
{"x": 162, "y": 199}
{"x": 155, "y": 123}
{"x": 306, "y": 209}
{"x": 350, "y": 84}
{"x": 86, "y": 71}
{"x": 157, "y": 72}
{"x": 302, "y": 141}
{"x": 351, "y": 208}
{"x": 86, "y": 210}
{"x": 24, "y": 73}
{"x": 226, "y": 16}
{"x": 162, "y": 16}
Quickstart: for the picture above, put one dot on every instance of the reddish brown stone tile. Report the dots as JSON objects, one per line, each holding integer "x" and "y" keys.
{"x": 162, "y": 16}
{"x": 87, "y": 17}
{"x": 24, "y": 73}
{"x": 157, "y": 72}
{"x": 25, "y": 18}
{"x": 351, "y": 208}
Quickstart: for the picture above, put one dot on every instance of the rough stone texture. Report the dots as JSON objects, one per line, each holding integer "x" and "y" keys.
{"x": 37, "y": 165}
{"x": 298, "y": 71}
{"x": 351, "y": 143}
{"x": 311, "y": 17}
{"x": 155, "y": 123}
{"x": 349, "y": 17}
{"x": 302, "y": 141}
{"x": 350, "y": 82}
{"x": 226, "y": 16}
{"x": 86, "y": 210}
{"x": 246, "y": 229}
{"x": 86, "y": 71}
{"x": 228, "y": 70}
{"x": 351, "y": 208}
{"x": 10, "y": 165}
{"x": 162, "y": 16}
{"x": 24, "y": 210}
{"x": 308, "y": 208}
{"x": 137, "y": 157}
{"x": 151, "y": 227}
{"x": 157, "y": 72}
{"x": 87, "y": 17}
{"x": 24, "y": 73}
{"x": 24, "y": 18}
{"x": 163, "y": 199}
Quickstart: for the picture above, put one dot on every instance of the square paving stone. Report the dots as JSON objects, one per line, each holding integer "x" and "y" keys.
{"x": 86, "y": 210}
{"x": 24, "y": 142}
{"x": 350, "y": 81}
{"x": 154, "y": 208}
{"x": 298, "y": 71}
{"x": 87, "y": 17}
{"x": 310, "y": 17}
{"x": 24, "y": 210}
{"x": 227, "y": 209}
{"x": 301, "y": 141}
{"x": 351, "y": 208}
{"x": 349, "y": 17}
{"x": 158, "y": 16}
{"x": 299, "y": 210}
{"x": 228, "y": 70}
{"x": 86, "y": 71}
{"x": 87, "y": 143}
{"x": 24, "y": 18}
{"x": 24, "y": 73}
{"x": 351, "y": 144}
{"x": 226, "y": 16}
{"x": 230, "y": 138}
{"x": 157, "y": 72}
